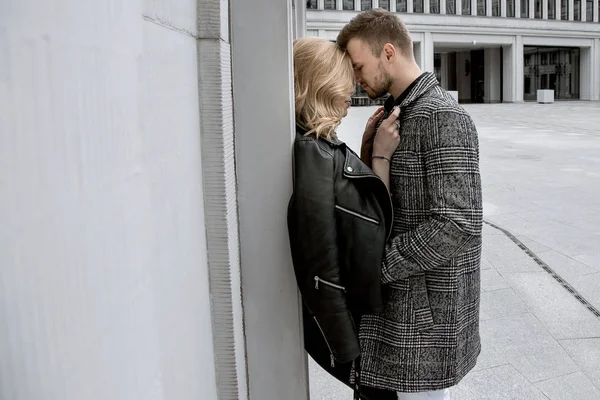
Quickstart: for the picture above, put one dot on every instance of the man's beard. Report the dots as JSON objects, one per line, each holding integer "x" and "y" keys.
{"x": 383, "y": 87}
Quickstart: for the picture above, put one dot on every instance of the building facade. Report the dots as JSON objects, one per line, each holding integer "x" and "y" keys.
{"x": 490, "y": 51}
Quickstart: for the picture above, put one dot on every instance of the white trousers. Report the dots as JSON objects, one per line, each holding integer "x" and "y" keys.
{"x": 443, "y": 394}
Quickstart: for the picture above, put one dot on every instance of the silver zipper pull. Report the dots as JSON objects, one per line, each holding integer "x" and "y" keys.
{"x": 332, "y": 361}
{"x": 316, "y": 282}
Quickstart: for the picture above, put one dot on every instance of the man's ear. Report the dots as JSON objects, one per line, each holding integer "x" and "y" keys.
{"x": 389, "y": 51}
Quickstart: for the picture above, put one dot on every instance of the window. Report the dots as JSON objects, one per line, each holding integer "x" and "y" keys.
{"x": 348, "y": 5}
{"x": 524, "y": 8}
{"x": 538, "y": 9}
{"x": 434, "y": 6}
{"x": 401, "y": 6}
{"x": 577, "y": 10}
{"x": 466, "y": 7}
{"x": 311, "y": 4}
{"x": 570, "y": 81}
{"x": 495, "y": 8}
{"x": 437, "y": 66}
{"x": 451, "y": 7}
{"x": 385, "y": 4}
{"x": 589, "y": 10}
{"x": 418, "y": 6}
{"x": 555, "y": 68}
{"x": 366, "y": 4}
{"x": 510, "y": 8}
{"x": 527, "y": 84}
{"x": 564, "y": 10}
{"x": 481, "y": 8}
{"x": 551, "y": 9}
{"x": 544, "y": 82}
{"x": 330, "y": 4}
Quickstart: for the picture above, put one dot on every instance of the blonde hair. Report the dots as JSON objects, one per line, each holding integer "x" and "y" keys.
{"x": 323, "y": 76}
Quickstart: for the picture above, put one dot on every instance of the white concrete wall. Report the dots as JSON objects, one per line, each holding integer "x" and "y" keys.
{"x": 418, "y": 52}
{"x": 513, "y": 71}
{"x": 103, "y": 271}
{"x": 596, "y": 70}
{"x": 590, "y": 72}
{"x": 492, "y": 71}
{"x": 424, "y": 52}
{"x": 220, "y": 199}
{"x": 585, "y": 72}
{"x": 445, "y": 78}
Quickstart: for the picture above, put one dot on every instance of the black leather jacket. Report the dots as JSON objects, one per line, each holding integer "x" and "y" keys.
{"x": 339, "y": 218}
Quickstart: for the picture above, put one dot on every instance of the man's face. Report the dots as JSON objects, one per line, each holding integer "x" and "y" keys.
{"x": 369, "y": 70}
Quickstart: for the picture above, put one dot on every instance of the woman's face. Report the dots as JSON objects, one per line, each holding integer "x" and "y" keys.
{"x": 344, "y": 103}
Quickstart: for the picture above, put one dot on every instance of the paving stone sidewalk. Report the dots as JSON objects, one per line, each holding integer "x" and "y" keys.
{"x": 541, "y": 256}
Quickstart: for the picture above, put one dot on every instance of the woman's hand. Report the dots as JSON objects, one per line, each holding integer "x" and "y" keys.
{"x": 366, "y": 147}
{"x": 387, "y": 138}
{"x": 371, "y": 124}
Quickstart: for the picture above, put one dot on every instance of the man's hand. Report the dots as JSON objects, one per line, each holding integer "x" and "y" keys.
{"x": 387, "y": 138}
{"x": 367, "y": 138}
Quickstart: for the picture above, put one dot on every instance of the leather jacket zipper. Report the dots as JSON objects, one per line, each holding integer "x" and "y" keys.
{"x": 386, "y": 191}
{"x": 326, "y": 342}
{"x": 363, "y": 217}
{"x": 333, "y": 285}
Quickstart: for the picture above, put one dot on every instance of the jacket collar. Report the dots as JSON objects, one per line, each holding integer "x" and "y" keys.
{"x": 354, "y": 167}
{"x": 333, "y": 141}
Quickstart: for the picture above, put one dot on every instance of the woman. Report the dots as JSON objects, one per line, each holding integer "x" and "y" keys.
{"x": 340, "y": 213}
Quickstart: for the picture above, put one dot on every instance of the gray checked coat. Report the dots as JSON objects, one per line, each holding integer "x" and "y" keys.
{"x": 427, "y": 337}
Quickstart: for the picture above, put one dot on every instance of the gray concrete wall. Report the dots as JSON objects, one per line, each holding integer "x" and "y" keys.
{"x": 264, "y": 129}
{"x": 103, "y": 269}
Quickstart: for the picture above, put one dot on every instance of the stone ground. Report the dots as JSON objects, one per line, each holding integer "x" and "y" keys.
{"x": 540, "y": 168}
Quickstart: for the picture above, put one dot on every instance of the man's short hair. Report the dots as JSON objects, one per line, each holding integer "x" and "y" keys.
{"x": 377, "y": 27}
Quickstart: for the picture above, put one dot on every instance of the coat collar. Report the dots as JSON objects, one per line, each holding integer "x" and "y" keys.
{"x": 425, "y": 82}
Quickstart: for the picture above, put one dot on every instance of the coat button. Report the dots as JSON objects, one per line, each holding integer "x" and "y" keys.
{"x": 349, "y": 169}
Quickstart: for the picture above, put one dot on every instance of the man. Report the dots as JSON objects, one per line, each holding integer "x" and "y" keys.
{"x": 427, "y": 338}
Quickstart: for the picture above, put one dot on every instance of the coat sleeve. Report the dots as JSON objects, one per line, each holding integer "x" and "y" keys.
{"x": 453, "y": 189}
{"x": 313, "y": 237}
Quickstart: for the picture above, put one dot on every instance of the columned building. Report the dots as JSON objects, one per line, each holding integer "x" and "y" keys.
{"x": 491, "y": 51}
